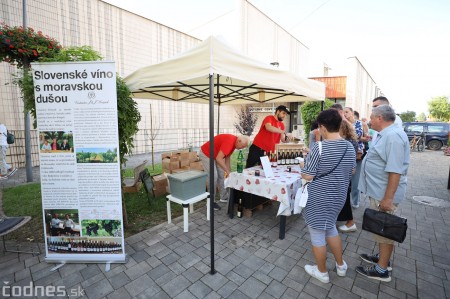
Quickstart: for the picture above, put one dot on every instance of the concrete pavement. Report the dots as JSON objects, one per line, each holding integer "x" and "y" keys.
{"x": 251, "y": 262}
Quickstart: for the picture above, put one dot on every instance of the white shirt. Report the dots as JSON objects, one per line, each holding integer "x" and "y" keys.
{"x": 3, "y": 132}
{"x": 398, "y": 121}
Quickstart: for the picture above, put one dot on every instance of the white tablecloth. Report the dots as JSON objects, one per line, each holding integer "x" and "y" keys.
{"x": 281, "y": 187}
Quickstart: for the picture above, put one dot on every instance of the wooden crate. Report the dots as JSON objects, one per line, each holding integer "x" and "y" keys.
{"x": 289, "y": 147}
{"x": 134, "y": 188}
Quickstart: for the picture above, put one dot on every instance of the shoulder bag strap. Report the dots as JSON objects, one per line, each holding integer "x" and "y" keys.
{"x": 342, "y": 157}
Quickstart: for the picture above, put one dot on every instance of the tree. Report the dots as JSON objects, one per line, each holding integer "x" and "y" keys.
{"x": 422, "y": 117}
{"x": 439, "y": 108}
{"x": 310, "y": 111}
{"x": 408, "y": 116}
{"x": 153, "y": 134}
{"x": 127, "y": 110}
{"x": 246, "y": 121}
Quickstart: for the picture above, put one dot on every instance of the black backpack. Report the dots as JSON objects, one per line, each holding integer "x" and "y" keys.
{"x": 10, "y": 138}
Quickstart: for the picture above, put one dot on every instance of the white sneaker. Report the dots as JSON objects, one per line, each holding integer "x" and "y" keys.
{"x": 345, "y": 229}
{"x": 341, "y": 270}
{"x": 314, "y": 272}
{"x": 11, "y": 171}
{"x": 223, "y": 200}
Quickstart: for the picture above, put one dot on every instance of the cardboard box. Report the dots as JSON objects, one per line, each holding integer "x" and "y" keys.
{"x": 132, "y": 188}
{"x": 184, "y": 163}
{"x": 184, "y": 156}
{"x": 196, "y": 166}
{"x": 174, "y": 158}
{"x": 160, "y": 191}
{"x": 166, "y": 155}
{"x": 193, "y": 157}
{"x": 182, "y": 169}
{"x": 160, "y": 181}
{"x": 177, "y": 153}
{"x": 170, "y": 165}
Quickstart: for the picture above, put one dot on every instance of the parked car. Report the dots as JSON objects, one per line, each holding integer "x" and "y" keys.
{"x": 436, "y": 133}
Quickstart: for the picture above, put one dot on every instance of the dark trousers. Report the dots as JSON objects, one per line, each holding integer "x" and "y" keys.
{"x": 254, "y": 154}
{"x": 346, "y": 212}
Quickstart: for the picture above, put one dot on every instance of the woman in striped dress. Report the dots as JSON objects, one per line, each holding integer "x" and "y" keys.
{"x": 329, "y": 169}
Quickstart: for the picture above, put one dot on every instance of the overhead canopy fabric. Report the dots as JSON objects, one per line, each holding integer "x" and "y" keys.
{"x": 238, "y": 79}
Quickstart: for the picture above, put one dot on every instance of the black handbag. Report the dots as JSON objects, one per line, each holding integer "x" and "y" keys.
{"x": 386, "y": 225}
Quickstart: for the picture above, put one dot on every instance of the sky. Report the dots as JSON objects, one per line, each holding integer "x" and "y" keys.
{"x": 403, "y": 44}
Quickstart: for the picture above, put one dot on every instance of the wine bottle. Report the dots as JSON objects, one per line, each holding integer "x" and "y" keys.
{"x": 275, "y": 160}
{"x": 240, "y": 209}
{"x": 240, "y": 162}
{"x": 296, "y": 156}
{"x": 292, "y": 158}
{"x": 270, "y": 159}
{"x": 283, "y": 158}
{"x": 279, "y": 157}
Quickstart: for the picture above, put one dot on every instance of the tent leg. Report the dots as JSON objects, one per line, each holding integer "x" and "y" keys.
{"x": 212, "y": 187}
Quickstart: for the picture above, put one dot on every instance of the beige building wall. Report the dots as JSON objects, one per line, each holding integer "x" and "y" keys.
{"x": 128, "y": 39}
{"x": 265, "y": 40}
{"x": 258, "y": 36}
{"x": 361, "y": 88}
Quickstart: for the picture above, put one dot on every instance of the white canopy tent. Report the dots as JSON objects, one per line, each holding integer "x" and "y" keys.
{"x": 214, "y": 72}
{"x": 239, "y": 79}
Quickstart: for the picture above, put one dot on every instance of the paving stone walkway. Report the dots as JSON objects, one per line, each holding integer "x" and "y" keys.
{"x": 251, "y": 262}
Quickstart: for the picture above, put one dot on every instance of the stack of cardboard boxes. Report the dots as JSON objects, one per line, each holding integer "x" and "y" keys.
{"x": 174, "y": 162}
{"x": 179, "y": 161}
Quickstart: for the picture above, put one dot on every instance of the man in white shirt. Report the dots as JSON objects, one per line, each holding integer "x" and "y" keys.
{"x": 5, "y": 169}
{"x": 378, "y": 101}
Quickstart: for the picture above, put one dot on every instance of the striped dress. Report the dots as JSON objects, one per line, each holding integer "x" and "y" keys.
{"x": 327, "y": 194}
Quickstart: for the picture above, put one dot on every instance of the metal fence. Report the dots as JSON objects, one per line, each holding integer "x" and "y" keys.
{"x": 164, "y": 140}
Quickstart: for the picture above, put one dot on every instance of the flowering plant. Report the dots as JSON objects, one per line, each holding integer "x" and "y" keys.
{"x": 20, "y": 45}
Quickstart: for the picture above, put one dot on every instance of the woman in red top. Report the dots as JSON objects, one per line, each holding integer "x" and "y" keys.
{"x": 271, "y": 132}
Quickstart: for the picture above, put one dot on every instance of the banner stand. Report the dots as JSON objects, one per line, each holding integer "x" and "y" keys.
{"x": 76, "y": 114}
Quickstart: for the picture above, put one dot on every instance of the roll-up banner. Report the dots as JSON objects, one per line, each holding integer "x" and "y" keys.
{"x": 76, "y": 109}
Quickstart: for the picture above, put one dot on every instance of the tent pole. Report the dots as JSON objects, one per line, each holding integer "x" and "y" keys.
{"x": 218, "y": 104}
{"x": 212, "y": 188}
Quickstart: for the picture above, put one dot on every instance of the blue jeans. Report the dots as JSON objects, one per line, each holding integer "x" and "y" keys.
{"x": 356, "y": 194}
